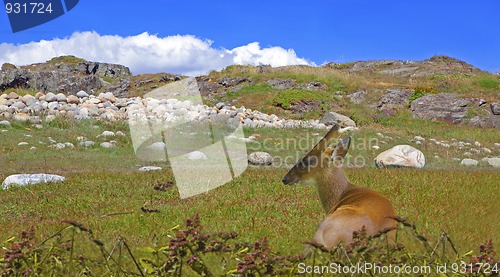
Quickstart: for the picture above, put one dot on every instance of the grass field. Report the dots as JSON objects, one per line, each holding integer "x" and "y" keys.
{"x": 105, "y": 191}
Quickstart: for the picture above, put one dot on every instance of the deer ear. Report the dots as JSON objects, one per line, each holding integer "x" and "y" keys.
{"x": 342, "y": 147}
{"x": 328, "y": 152}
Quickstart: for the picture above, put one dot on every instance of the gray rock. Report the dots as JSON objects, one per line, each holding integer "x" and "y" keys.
{"x": 469, "y": 162}
{"x": 150, "y": 168}
{"x": 332, "y": 118}
{"x": 495, "y": 108}
{"x": 61, "y": 97}
{"x": 446, "y": 107}
{"x": 50, "y": 97}
{"x": 357, "y": 97}
{"x": 30, "y": 179}
{"x": 401, "y": 156}
{"x": 394, "y": 99}
{"x": 248, "y": 123}
{"x": 282, "y": 84}
{"x": 5, "y": 123}
{"x": 405, "y": 71}
{"x": 19, "y": 105}
{"x": 107, "y": 145}
{"x": 260, "y": 158}
{"x": 29, "y": 100}
{"x": 314, "y": 86}
{"x": 232, "y": 82}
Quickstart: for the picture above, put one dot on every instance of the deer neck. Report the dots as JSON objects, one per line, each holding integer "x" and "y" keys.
{"x": 331, "y": 186}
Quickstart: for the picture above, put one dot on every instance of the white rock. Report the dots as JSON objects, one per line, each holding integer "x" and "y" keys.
{"x": 87, "y": 143}
{"x": 401, "y": 155}
{"x": 376, "y": 147}
{"x": 29, "y": 179}
{"x": 494, "y": 162}
{"x": 469, "y": 162}
{"x": 157, "y": 146}
{"x": 496, "y": 145}
{"x": 22, "y": 143}
{"x": 477, "y": 144}
{"x": 4, "y": 123}
{"x": 120, "y": 134}
{"x": 260, "y": 158}
{"x": 486, "y": 150}
{"x": 197, "y": 155}
{"x": 82, "y": 94}
{"x": 150, "y": 168}
{"x": 418, "y": 142}
{"x": 107, "y": 134}
{"x": 107, "y": 145}
{"x": 69, "y": 145}
{"x": 58, "y": 146}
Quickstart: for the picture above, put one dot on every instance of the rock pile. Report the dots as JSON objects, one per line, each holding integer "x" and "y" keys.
{"x": 33, "y": 109}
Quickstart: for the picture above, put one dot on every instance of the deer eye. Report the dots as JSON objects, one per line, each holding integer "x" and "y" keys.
{"x": 307, "y": 162}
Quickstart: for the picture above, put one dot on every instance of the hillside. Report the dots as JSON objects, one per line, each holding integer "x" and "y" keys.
{"x": 366, "y": 91}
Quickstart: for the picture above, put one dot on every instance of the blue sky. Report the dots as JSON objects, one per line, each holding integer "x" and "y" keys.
{"x": 214, "y": 34}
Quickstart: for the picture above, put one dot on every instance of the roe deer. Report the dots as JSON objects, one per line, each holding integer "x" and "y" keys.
{"x": 348, "y": 207}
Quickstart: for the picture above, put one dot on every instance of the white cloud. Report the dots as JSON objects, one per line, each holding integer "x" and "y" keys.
{"x": 147, "y": 53}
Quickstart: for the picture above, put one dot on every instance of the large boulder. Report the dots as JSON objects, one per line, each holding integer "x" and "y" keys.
{"x": 260, "y": 158}
{"x": 30, "y": 179}
{"x": 332, "y": 118}
{"x": 446, "y": 107}
{"x": 401, "y": 156}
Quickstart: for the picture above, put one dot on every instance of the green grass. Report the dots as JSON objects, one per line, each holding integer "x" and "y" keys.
{"x": 105, "y": 191}
{"x": 69, "y": 59}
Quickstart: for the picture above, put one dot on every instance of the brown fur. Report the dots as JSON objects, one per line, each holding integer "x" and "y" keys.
{"x": 348, "y": 207}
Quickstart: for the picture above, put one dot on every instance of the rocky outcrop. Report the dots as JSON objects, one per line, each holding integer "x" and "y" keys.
{"x": 60, "y": 77}
{"x": 394, "y": 99}
{"x": 434, "y": 66}
{"x": 210, "y": 88}
{"x": 282, "y": 84}
{"x": 451, "y": 108}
